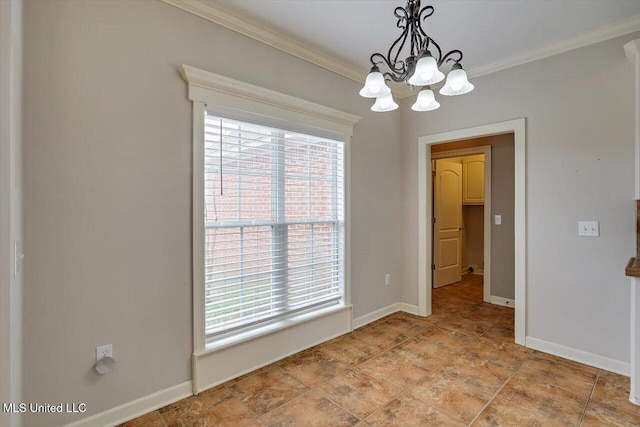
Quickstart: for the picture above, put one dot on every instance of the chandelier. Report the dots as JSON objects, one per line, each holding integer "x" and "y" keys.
{"x": 420, "y": 68}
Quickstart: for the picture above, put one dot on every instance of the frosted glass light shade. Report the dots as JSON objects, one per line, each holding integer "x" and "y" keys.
{"x": 384, "y": 103}
{"x": 374, "y": 85}
{"x": 426, "y": 72}
{"x": 457, "y": 82}
{"x": 425, "y": 101}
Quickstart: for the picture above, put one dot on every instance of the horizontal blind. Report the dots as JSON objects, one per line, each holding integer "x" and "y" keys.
{"x": 274, "y": 220}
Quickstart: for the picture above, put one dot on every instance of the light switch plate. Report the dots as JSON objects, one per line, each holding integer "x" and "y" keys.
{"x": 589, "y": 228}
{"x": 498, "y": 219}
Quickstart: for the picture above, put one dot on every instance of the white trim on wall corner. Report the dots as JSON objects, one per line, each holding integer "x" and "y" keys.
{"x": 581, "y": 356}
{"x": 135, "y": 408}
{"x": 505, "y": 302}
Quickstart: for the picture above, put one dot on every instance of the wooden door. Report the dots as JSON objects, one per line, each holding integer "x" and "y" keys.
{"x": 448, "y": 223}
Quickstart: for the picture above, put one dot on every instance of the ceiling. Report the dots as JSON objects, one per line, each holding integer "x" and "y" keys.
{"x": 488, "y": 31}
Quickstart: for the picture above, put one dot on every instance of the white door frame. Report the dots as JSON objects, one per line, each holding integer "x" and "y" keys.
{"x": 10, "y": 206}
{"x": 486, "y": 150}
{"x": 518, "y": 128}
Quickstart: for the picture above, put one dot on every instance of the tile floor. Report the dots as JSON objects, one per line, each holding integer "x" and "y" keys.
{"x": 458, "y": 367}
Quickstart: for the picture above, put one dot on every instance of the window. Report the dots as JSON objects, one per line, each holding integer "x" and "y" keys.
{"x": 274, "y": 223}
{"x": 270, "y": 225}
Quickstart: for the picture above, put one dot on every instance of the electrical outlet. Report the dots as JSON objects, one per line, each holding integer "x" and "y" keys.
{"x": 588, "y": 228}
{"x": 387, "y": 279}
{"x": 104, "y": 351}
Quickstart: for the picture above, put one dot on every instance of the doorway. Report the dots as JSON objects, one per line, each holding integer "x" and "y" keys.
{"x": 517, "y": 128}
{"x": 461, "y": 199}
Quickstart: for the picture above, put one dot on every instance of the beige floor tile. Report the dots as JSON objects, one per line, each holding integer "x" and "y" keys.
{"x": 380, "y": 335}
{"x": 394, "y": 369}
{"x": 599, "y": 415}
{"x": 151, "y": 419}
{"x": 469, "y": 327}
{"x": 452, "y": 397}
{"x": 408, "y": 412}
{"x": 500, "y": 335}
{"x": 503, "y": 413}
{"x": 421, "y": 353}
{"x": 359, "y": 393}
{"x": 476, "y": 372}
{"x": 313, "y": 366}
{"x": 561, "y": 362}
{"x": 350, "y": 350}
{"x": 546, "y": 399}
{"x": 309, "y": 409}
{"x": 564, "y": 376}
{"x": 227, "y": 412}
{"x": 406, "y": 324}
{"x": 267, "y": 390}
{"x": 445, "y": 338}
{"x": 613, "y": 390}
{"x": 509, "y": 356}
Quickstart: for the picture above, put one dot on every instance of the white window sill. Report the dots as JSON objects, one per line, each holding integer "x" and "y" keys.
{"x": 270, "y": 328}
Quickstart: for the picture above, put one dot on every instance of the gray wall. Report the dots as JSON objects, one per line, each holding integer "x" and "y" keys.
{"x": 579, "y": 109}
{"x": 502, "y": 203}
{"x": 108, "y": 191}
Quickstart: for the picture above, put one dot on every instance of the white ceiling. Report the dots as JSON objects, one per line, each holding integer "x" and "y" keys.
{"x": 487, "y": 31}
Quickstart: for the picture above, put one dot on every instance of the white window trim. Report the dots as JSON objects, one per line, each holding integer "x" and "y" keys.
{"x": 222, "y": 94}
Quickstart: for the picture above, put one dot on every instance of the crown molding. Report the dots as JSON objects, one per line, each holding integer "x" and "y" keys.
{"x": 212, "y": 12}
{"x": 616, "y": 29}
{"x": 250, "y": 28}
{"x": 219, "y": 83}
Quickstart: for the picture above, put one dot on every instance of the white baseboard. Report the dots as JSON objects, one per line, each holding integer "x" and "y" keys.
{"x": 602, "y": 362}
{"x": 375, "y": 315}
{"x": 130, "y": 410}
{"x": 384, "y": 311}
{"x": 408, "y": 308}
{"x": 505, "y": 302}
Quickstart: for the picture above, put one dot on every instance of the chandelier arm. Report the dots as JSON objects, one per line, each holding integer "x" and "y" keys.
{"x": 417, "y": 42}
{"x": 397, "y": 68}
{"x": 447, "y": 57}
{"x": 429, "y": 10}
{"x": 402, "y": 39}
{"x": 402, "y": 15}
{"x": 403, "y": 23}
{"x": 439, "y": 57}
{"x": 396, "y": 78}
